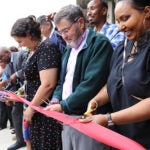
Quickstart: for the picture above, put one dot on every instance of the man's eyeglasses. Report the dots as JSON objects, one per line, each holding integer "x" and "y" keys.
{"x": 66, "y": 30}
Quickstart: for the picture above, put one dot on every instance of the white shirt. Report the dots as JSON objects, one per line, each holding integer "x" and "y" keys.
{"x": 67, "y": 86}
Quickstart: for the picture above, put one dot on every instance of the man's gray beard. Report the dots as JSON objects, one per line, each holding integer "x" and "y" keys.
{"x": 72, "y": 45}
{"x": 76, "y": 43}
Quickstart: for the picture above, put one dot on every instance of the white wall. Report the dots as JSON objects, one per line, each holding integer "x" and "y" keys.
{"x": 11, "y": 10}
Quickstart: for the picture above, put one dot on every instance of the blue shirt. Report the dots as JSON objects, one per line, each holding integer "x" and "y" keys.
{"x": 4, "y": 77}
{"x": 112, "y": 32}
{"x": 58, "y": 40}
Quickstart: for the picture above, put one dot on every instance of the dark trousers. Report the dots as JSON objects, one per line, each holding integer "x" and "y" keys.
{"x": 17, "y": 115}
{"x": 5, "y": 115}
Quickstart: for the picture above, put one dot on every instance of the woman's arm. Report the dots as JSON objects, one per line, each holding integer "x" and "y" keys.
{"x": 48, "y": 80}
{"x": 136, "y": 113}
{"x": 99, "y": 100}
{"x": 102, "y": 97}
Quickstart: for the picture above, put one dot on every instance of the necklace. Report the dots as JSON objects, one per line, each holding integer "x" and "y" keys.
{"x": 127, "y": 57}
{"x": 134, "y": 51}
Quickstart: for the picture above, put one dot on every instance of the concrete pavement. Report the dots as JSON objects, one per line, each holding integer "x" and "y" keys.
{"x": 6, "y": 139}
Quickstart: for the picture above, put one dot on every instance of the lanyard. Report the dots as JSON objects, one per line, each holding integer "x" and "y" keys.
{"x": 124, "y": 61}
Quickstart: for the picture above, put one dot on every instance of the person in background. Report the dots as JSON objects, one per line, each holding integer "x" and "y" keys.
{"x": 5, "y": 111}
{"x": 13, "y": 71}
{"x": 41, "y": 71}
{"x": 48, "y": 30}
{"x": 84, "y": 71}
{"x": 9, "y": 104}
{"x": 97, "y": 17}
{"x": 13, "y": 49}
{"x": 128, "y": 85}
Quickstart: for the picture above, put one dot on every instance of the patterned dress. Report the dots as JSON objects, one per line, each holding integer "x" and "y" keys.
{"x": 45, "y": 133}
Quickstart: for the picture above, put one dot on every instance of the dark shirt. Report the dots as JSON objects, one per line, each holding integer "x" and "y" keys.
{"x": 44, "y": 131}
{"x": 136, "y": 75}
{"x": 46, "y": 56}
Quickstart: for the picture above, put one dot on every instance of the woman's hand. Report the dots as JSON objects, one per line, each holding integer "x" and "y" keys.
{"x": 28, "y": 114}
{"x": 99, "y": 119}
{"x": 91, "y": 109}
{"x": 92, "y": 105}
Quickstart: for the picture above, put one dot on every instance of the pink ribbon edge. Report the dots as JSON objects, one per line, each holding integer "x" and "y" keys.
{"x": 93, "y": 130}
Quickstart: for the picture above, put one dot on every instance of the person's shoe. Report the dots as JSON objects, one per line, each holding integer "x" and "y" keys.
{"x": 13, "y": 131}
{"x": 16, "y": 146}
{"x": 11, "y": 127}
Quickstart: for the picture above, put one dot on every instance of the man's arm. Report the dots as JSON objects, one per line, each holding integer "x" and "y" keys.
{"x": 95, "y": 78}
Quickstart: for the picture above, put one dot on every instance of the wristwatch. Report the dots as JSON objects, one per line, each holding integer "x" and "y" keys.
{"x": 109, "y": 118}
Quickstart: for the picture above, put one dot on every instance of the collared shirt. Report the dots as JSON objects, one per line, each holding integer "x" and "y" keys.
{"x": 112, "y": 32}
{"x": 58, "y": 40}
{"x": 52, "y": 32}
{"x": 67, "y": 86}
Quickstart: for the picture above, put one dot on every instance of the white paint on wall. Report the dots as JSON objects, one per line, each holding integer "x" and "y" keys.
{"x": 11, "y": 10}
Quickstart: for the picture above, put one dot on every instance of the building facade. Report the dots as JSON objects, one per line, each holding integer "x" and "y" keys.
{"x": 111, "y": 6}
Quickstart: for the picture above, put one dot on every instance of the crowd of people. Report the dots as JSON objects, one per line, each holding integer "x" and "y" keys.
{"x": 72, "y": 66}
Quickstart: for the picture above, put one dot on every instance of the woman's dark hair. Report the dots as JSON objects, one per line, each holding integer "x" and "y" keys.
{"x": 138, "y": 4}
{"x": 26, "y": 26}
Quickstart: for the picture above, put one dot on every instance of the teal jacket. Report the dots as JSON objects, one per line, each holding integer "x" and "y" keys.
{"x": 91, "y": 72}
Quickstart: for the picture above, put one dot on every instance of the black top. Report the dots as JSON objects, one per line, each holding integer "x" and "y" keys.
{"x": 136, "y": 74}
{"x": 46, "y": 56}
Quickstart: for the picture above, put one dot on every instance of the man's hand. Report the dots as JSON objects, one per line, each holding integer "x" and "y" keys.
{"x": 50, "y": 16}
{"x": 13, "y": 78}
{"x": 54, "y": 107}
{"x": 7, "y": 98}
{"x": 9, "y": 103}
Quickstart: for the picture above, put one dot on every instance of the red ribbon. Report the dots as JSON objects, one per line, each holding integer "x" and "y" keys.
{"x": 90, "y": 129}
